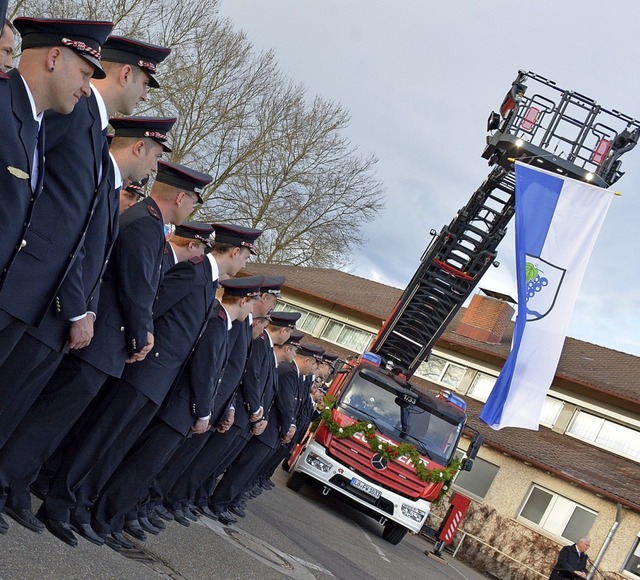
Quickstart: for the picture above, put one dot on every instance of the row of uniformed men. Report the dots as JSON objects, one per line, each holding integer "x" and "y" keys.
{"x": 92, "y": 333}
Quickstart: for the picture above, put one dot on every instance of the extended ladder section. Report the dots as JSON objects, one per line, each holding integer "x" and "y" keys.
{"x": 551, "y": 128}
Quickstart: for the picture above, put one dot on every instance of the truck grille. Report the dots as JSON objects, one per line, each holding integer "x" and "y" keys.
{"x": 399, "y": 478}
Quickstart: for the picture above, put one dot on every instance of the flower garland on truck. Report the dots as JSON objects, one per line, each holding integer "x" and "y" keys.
{"x": 388, "y": 450}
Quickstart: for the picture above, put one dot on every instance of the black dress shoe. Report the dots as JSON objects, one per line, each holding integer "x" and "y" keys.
{"x": 189, "y": 514}
{"x": 111, "y": 542}
{"x": 205, "y": 510}
{"x": 61, "y": 530}
{"x": 4, "y": 526}
{"x": 26, "y": 518}
{"x": 155, "y": 521}
{"x": 133, "y": 527}
{"x": 126, "y": 544}
{"x": 87, "y": 532}
{"x": 178, "y": 516}
{"x": 164, "y": 513}
{"x": 147, "y": 526}
{"x": 227, "y": 518}
{"x": 238, "y": 510}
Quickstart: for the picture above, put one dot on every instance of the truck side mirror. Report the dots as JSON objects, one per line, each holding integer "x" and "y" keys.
{"x": 476, "y": 442}
{"x": 467, "y": 464}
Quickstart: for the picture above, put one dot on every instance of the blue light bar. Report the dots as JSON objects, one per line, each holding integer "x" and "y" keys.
{"x": 455, "y": 400}
{"x": 376, "y": 359}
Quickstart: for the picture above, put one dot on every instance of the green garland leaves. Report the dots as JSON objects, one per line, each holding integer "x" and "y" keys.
{"x": 388, "y": 450}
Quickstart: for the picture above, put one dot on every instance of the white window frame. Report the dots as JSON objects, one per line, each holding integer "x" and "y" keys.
{"x": 345, "y": 326}
{"x": 558, "y": 509}
{"x": 594, "y": 442}
{"x": 633, "y": 553}
{"x": 470, "y": 392}
{"x": 446, "y": 367}
{"x": 302, "y": 320}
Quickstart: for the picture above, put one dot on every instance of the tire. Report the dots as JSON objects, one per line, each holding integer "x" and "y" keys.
{"x": 296, "y": 480}
{"x": 393, "y": 532}
{"x": 285, "y": 464}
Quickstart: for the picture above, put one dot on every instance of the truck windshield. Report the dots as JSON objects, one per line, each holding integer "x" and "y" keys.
{"x": 402, "y": 416}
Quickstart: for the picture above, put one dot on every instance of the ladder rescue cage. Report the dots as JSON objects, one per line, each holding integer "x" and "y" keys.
{"x": 537, "y": 123}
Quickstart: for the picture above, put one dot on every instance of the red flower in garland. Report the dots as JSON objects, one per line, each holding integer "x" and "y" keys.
{"x": 371, "y": 435}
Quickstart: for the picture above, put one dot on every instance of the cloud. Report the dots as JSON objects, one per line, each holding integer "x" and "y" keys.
{"x": 420, "y": 79}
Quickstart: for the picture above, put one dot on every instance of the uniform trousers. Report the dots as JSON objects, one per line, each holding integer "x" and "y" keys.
{"x": 23, "y": 375}
{"x": 130, "y": 483}
{"x": 116, "y": 422}
{"x": 240, "y": 474}
{"x": 271, "y": 464}
{"x": 179, "y": 463}
{"x": 44, "y": 427}
{"x": 197, "y": 484}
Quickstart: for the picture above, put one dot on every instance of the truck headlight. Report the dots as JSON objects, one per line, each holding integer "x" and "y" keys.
{"x": 315, "y": 461}
{"x": 413, "y": 513}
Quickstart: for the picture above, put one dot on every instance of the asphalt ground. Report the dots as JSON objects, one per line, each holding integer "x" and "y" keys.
{"x": 286, "y": 534}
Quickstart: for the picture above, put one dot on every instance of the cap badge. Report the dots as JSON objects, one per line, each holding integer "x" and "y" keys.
{"x": 156, "y": 135}
{"x": 81, "y": 46}
{"x": 148, "y": 65}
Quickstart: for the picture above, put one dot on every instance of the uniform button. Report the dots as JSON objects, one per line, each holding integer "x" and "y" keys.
{"x": 23, "y": 243}
{"x": 157, "y": 355}
{"x": 122, "y": 329}
{"x": 106, "y": 261}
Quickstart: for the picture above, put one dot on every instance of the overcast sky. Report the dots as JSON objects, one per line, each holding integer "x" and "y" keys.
{"x": 420, "y": 79}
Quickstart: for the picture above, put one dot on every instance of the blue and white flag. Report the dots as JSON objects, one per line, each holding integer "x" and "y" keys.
{"x": 557, "y": 223}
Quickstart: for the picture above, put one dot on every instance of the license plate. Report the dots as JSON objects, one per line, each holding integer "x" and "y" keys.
{"x": 362, "y": 486}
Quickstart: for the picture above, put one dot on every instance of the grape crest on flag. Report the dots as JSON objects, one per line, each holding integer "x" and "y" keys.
{"x": 535, "y": 282}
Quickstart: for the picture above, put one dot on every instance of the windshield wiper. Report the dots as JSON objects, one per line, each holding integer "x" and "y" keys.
{"x": 420, "y": 444}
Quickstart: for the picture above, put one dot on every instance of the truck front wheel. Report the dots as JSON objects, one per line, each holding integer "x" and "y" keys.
{"x": 296, "y": 481}
{"x": 393, "y": 532}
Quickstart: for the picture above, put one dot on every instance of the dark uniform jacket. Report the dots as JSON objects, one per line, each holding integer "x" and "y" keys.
{"x": 18, "y": 137}
{"x": 569, "y": 561}
{"x": 304, "y": 411}
{"x": 80, "y": 289}
{"x": 74, "y": 151}
{"x": 129, "y": 288}
{"x": 168, "y": 258}
{"x": 280, "y": 401}
{"x": 239, "y": 348}
{"x": 260, "y": 372}
{"x": 181, "y": 312}
{"x": 192, "y": 395}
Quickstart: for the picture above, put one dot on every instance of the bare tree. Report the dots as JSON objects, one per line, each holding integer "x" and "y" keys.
{"x": 279, "y": 162}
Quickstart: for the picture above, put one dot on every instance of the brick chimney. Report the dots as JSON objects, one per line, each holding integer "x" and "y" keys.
{"x": 485, "y": 319}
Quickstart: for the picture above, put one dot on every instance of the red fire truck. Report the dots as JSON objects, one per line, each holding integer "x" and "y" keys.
{"x": 389, "y": 490}
{"x": 538, "y": 123}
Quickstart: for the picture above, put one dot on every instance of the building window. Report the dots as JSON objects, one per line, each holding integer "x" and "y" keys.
{"x": 632, "y": 564}
{"x": 347, "y": 336}
{"x": 550, "y": 411}
{"x": 439, "y": 370}
{"x": 556, "y": 514}
{"x": 481, "y": 386}
{"x": 604, "y": 433}
{"x": 476, "y": 483}
{"x": 307, "y": 322}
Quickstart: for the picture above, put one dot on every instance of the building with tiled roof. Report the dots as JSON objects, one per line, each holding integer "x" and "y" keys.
{"x": 532, "y": 491}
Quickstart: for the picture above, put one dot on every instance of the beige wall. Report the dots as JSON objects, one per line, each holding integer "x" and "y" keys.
{"x": 514, "y": 480}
